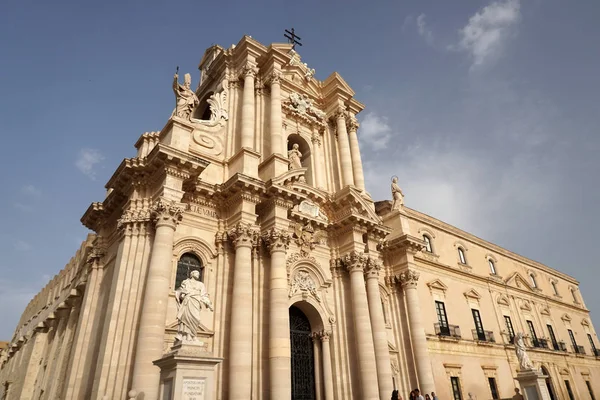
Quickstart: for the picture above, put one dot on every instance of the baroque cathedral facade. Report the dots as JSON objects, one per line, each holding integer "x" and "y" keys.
{"x": 319, "y": 292}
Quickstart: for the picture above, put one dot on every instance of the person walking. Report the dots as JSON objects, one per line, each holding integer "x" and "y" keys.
{"x": 395, "y": 395}
{"x": 418, "y": 395}
{"x": 434, "y": 397}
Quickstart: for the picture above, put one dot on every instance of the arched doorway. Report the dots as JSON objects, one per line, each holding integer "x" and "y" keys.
{"x": 303, "y": 358}
{"x": 549, "y": 383}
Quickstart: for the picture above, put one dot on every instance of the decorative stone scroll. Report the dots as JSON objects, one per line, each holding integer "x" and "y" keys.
{"x": 302, "y": 107}
{"x": 372, "y": 268}
{"x": 355, "y": 261}
{"x": 306, "y": 238}
{"x": 276, "y": 240}
{"x": 302, "y": 282}
{"x": 409, "y": 278}
{"x": 163, "y": 212}
{"x": 244, "y": 235}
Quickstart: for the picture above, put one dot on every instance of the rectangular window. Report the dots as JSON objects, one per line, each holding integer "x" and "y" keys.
{"x": 456, "y": 388}
{"x": 509, "y": 329}
{"x": 478, "y": 324}
{"x": 440, "y": 309}
{"x": 592, "y": 344}
{"x": 573, "y": 341}
{"x": 568, "y": 385}
{"x": 552, "y": 337}
{"x": 534, "y": 338}
{"x": 493, "y": 388}
{"x": 589, "y": 386}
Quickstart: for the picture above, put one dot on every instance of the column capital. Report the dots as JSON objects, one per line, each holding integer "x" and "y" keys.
{"x": 372, "y": 269}
{"x": 352, "y": 123}
{"x": 243, "y": 235}
{"x": 166, "y": 213}
{"x": 276, "y": 240}
{"x": 324, "y": 336}
{"x": 249, "y": 70}
{"x": 274, "y": 77}
{"x": 340, "y": 113}
{"x": 355, "y": 261}
{"x": 408, "y": 279}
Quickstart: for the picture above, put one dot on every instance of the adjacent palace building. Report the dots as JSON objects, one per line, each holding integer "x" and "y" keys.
{"x": 319, "y": 292}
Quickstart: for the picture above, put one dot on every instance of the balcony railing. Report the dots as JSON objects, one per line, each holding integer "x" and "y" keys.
{"x": 447, "y": 330}
{"x": 562, "y": 345}
{"x": 596, "y": 352}
{"x": 578, "y": 349}
{"x": 556, "y": 346}
{"x": 483, "y": 336}
{"x": 539, "y": 343}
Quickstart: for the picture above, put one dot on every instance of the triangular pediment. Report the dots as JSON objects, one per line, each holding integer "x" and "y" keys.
{"x": 334, "y": 83}
{"x": 437, "y": 285}
{"x": 517, "y": 280}
{"x": 503, "y": 301}
{"x": 566, "y": 317}
{"x": 545, "y": 311}
{"x": 525, "y": 306}
{"x": 472, "y": 294}
{"x": 392, "y": 348}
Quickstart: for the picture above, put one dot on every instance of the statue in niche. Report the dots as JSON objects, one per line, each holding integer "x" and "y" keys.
{"x": 191, "y": 297}
{"x": 525, "y": 363}
{"x": 295, "y": 157}
{"x": 185, "y": 96}
{"x": 397, "y": 195}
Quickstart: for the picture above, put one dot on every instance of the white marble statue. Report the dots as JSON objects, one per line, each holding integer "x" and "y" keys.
{"x": 524, "y": 361}
{"x": 191, "y": 297}
{"x": 295, "y": 157}
{"x": 397, "y": 195}
{"x": 186, "y": 98}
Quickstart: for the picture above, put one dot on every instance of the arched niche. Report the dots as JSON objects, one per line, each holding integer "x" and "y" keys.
{"x": 198, "y": 247}
{"x": 312, "y": 312}
{"x": 203, "y": 110}
{"x": 306, "y": 151}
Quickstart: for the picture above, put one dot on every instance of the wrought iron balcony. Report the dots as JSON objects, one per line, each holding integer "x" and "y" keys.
{"x": 596, "y": 352}
{"x": 539, "y": 343}
{"x": 447, "y": 330}
{"x": 483, "y": 336}
{"x": 556, "y": 346}
{"x": 511, "y": 339}
{"x": 562, "y": 345}
{"x": 578, "y": 349}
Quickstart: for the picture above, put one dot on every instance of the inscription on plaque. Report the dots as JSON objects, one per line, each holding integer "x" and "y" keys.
{"x": 207, "y": 212}
{"x": 193, "y": 389}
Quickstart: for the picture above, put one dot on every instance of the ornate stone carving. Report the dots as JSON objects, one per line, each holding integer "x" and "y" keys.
{"x": 395, "y": 368}
{"x": 324, "y": 336}
{"x": 131, "y": 217}
{"x": 302, "y": 282}
{"x": 276, "y": 240}
{"x": 295, "y": 157}
{"x": 243, "y": 235}
{"x": 355, "y": 261}
{"x": 249, "y": 70}
{"x": 275, "y": 77}
{"x": 372, "y": 269}
{"x": 397, "y": 195}
{"x": 306, "y": 238}
{"x": 301, "y": 105}
{"x": 295, "y": 257}
{"x": 185, "y": 96}
{"x": 163, "y": 212}
{"x": 525, "y": 363}
{"x": 352, "y": 123}
{"x": 191, "y": 297}
{"x": 409, "y": 278}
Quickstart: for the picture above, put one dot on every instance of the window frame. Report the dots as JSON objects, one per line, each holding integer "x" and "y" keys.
{"x": 554, "y": 283}
{"x": 531, "y": 327}
{"x": 190, "y": 267}
{"x": 509, "y": 328}
{"x": 589, "y": 387}
{"x": 478, "y": 324}
{"x": 552, "y": 337}
{"x": 428, "y": 244}
{"x": 492, "y": 266}
{"x": 569, "y": 390}
{"x": 493, "y": 387}
{"x": 461, "y": 256}
{"x": 456, "y": 388}
{"x": 592, "y": 344}
{"x": 533, "y": 280}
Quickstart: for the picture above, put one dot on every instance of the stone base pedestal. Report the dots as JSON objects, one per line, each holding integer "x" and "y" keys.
{"x": 187, "y": 373}
{"x": 533, "y": 385}
{"x": 244, "y": 162}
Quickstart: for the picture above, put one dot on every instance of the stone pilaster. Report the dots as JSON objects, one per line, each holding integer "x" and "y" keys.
{"x": 408, "y": 279}
{"x": 355, "y": 263}
{"x": 243, "y": 237}
{"x": 357, "y": 169}
{"x": 249, "y": 74}
{"x": 317, "y": 160}
{"x": 327, "y": 370}
{"x": 344, "y": 146}
{"x": 277, "y": 241}
{"x": 151, "y": 330}
{"x": 382, "y": 354}
{"x": 276, "y": 118}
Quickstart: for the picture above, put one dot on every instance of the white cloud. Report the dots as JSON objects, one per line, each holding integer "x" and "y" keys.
{"x": 20, "y": 245}
{"x": 487, "y": 30}
{"x": 22, "y": 207}
{"x": 424, "y": 30}
{"x": 375, "y": 131}
{"x": 87, "y": 160}
{"x": 31, "y": 190}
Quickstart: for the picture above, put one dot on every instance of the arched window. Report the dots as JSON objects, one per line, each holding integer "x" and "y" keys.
{"x": 186, "y": 264}
{"x": 533, "y": 281}
{"x": 574, "y": 295}
{"x": 555, "y": 288}
{"x": 461, "y": 256}
{"x": 428, "y": 247}
{"x": 492, "y": 266}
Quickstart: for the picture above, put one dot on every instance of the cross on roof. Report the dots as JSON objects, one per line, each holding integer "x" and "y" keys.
{"x": 293, "y": 38}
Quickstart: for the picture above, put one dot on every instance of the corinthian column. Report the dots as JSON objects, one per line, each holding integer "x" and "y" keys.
{"x": 280, "y": 357}
{"x": 355, "y": 263}
{"x": 243, "y": 237}
{"x": 318, "y": 166}
{"x": 382, "y": 353}
{"x": 275, "y": 123}
{"x": 327, "y": 370}
{"x": 357, "y": 170}
{"x": 248, "y": 106}
{"x": 346, "y": 159}
{"x": 408, "y": 280}
{"x": 151, "y": 331}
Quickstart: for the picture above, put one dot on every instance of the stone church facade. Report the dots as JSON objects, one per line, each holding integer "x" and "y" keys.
{"x": 319, "y": 292}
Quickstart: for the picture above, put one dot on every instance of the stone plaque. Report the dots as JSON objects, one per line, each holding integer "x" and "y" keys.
{"x": 193, "y": 389}
{"x": 309, "y": 208}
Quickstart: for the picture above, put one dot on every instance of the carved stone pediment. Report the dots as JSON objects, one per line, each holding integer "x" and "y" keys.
{"x": 517, "y": 280}
{"x": 304, "y": 109}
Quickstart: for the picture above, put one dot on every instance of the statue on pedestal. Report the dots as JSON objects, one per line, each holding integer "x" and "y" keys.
{"x": 397, "y": 195}
{"x": 295, "y": 157}
{"x": 191, "y": 297}
{"x": 525, "y": 363}
{"x": 186, "y": 98}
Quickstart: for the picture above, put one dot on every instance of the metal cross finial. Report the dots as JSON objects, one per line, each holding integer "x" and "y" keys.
{"x": 293, "y": 38}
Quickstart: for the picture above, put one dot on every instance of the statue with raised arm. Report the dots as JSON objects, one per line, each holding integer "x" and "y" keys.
{"x": 191, "y": 297}
{"x": 524, "y": 361}
{"x": 295, "y": 157}
{"x": 397, "y": 195}
{"x": 186, "y": 98}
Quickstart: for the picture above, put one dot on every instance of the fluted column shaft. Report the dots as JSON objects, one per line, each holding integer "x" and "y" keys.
{"x": 380, "y": 341}
{"x": 357, "y": 169}
{"x": 151, "y": 331}
{"x": 344, "y": 146}
{"x": 280, "y": 356}
{"x": 355, "y": 263}
{"x": 408, "y": 281}
{"x": 240, "y": 339}
{"x": 327, "y": 370}
{"x": 318, "y": 169}
{"x": 276, "y": 119}
{"x": 248, "y": 107}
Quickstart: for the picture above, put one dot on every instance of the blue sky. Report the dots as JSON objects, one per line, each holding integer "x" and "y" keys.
{"x": 487, "y": 111}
